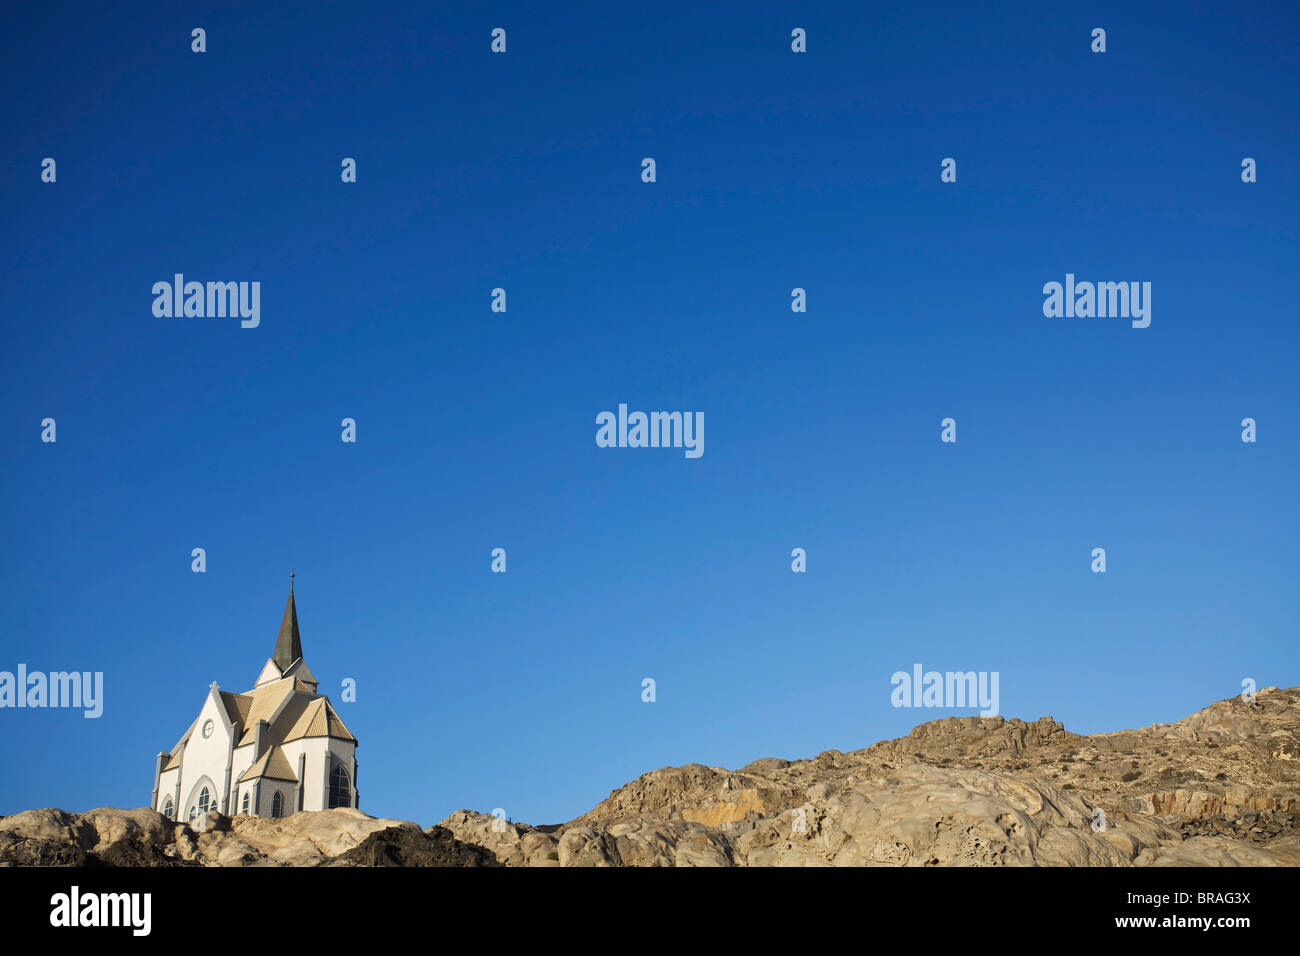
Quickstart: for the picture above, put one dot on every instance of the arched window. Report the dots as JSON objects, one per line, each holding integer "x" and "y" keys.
{"x": 201, "y": 799}
{"x": 340, "y": 787}
{"x": 168, "y": 808}
{"x": 277, "y": 805}
{"x": 244, "y": 806}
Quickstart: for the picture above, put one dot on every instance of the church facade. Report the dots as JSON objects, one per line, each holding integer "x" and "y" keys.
{"x": 271, "y": 751}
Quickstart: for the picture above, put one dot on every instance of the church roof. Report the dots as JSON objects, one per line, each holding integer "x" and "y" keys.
{"x": 288, "y": 645}
{"x": 273, "y": 765}
{"x": 266, "y": 701}
{"x": 301, "y": 671}
{"x": 319, "y": 720}
{"x": 174, "y": 759}
{"x": 237, "y": 705}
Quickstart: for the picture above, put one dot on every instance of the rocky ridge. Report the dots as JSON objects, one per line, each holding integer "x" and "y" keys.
{"x": 1218, "y": 788}
{"x": 143, "y": 837}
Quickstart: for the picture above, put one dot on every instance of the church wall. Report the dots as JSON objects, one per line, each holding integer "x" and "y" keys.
{"x": 315, "y": 776}
{"x": 167, "y": 788}
{"x": 205, "y": 758}
{"x": 266, "y": 796}
{"x": 240, "y": 762}
{"x": 313, "y": 790}
{"x": 345, "y": 751}
{"x": 292, "y": 751}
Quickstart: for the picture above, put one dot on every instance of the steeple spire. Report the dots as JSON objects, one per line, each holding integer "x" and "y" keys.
{"x": 288, "y": 646}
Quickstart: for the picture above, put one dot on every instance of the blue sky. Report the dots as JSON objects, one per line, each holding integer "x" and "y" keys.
{"x": 476, "y": 429}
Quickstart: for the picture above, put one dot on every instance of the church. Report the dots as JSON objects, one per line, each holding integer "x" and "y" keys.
{"x": 271, "y": 751}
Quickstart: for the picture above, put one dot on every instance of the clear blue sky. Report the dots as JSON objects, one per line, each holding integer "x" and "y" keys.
{"x": 476, "y": 430}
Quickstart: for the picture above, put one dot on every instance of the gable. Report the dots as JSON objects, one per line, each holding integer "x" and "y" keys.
{"x": 269, "y": 673}
{"x": 319, "y": 720}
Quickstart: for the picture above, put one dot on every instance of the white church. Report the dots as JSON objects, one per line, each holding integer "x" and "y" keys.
{"x": 271, "y": 751}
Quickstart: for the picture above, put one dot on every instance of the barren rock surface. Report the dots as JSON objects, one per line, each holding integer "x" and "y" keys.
{"x": 1218, "y": 788}
{"x": 111, "y": 837}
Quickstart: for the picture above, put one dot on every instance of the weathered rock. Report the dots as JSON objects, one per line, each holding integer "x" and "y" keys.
{"x": 1221, "y": 851}
{"x": 105, "y": 836}
{"x": 51, "y": 826}
{"x": 409, "y": 846}
{"x": 142, "y": 837}
{"x": 1218, "y": 788}
{"x": 503, "y": 838}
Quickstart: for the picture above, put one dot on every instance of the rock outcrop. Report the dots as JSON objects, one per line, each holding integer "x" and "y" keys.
{"x": 111, "y": 837}
{"x": 1218, "y": 788}
{"x": 1215, "y": 789}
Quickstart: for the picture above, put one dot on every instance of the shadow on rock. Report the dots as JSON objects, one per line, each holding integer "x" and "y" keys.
{"x": 407, "y": 846}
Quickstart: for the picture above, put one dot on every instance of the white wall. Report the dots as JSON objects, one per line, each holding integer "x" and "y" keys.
{"x": 205, "y": 758}
{"x": 267, "y": 795}
{"x": 167, "y": 789}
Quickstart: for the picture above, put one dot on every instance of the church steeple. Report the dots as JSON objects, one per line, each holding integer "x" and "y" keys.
{"x": 288, "y": 646}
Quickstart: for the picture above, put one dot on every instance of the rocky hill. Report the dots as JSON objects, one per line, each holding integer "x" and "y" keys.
{"x": 1221, "y": 787}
